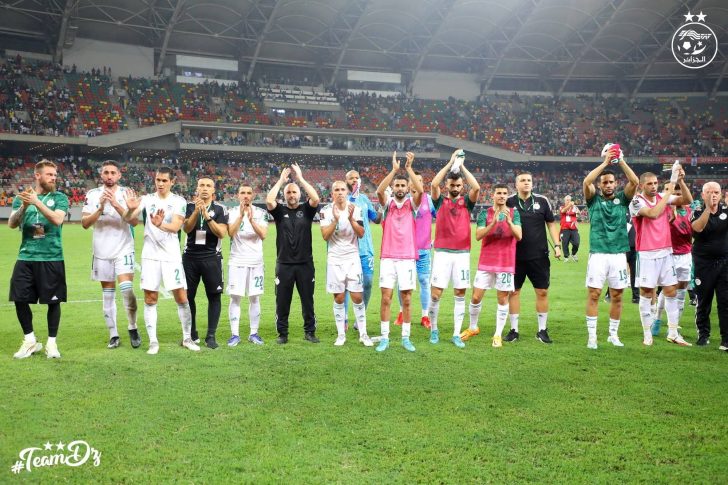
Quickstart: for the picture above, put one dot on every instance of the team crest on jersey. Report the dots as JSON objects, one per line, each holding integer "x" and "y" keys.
{"x": 536, "y": 206}
{"x": 299, "y": 214}
{"x": 51, "y": 203}
{"x": 616, "y": 202}
{"x": 722, "y": 217}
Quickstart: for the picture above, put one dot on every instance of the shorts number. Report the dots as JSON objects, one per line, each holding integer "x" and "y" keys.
{"x": 506, "y": 278}
{"x": 176, "y": 276}
{"x": 410, "y": 275}
{"x": 464, "y": 274}
{"x": 129, "y": 260}
{"x": 258, "y": 282}
{"x": 359, "y": 279}
{"x": 622, "y": 275}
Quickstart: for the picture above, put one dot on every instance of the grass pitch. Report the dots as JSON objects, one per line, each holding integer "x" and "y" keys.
{"x": 304, "y": 413}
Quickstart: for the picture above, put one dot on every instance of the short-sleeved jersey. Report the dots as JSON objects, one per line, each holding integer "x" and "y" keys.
{"x": 246, "y": 247}
{"x": 498, "y": 247}
{"x": 293, "y": 232}
{"x": 213, "y": 244}
{"x": 41, "y": 240}
{"x": 343, "y": 243}
{"x": 161, "y": 245}
{"x": 366, "y": 247}
{"x": 113, "y": 237}
{"x": 712, "y": 242}
{"x": 608, "y": 231}
{"x": 452, "y": 226}
{"x": 534, "y": 212}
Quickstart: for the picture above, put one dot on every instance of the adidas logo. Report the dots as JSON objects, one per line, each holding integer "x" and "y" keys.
{"x": 219, "y": 287}
{"x": 54, "y": 298}
{"x": 286, "y": 216}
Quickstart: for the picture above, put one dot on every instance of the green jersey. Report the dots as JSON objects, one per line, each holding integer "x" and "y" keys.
{"x": 608, "y": 220}
{"x": 41, "y": 240}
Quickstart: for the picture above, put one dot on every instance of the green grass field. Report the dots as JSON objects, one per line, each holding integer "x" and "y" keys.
{"x": 304, "y": 413}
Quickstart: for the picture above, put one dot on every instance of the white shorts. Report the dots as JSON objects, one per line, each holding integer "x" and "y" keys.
{"x": 611, "y": 268}
{"x": 344, "y": 274}
{"x": 652, "y": 273}
{"x": 447, "y": 267}
{"x": 245, "y": 280}
{"x": 486, "y": 280}
{"x": 157, "y": 273}
{"x": 110, "y": 269}
{"x": 399, "y": 272}
{"x": 683, "y": 266}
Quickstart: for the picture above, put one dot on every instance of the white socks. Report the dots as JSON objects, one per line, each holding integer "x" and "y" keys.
{"x": 433, "y": 311}
{"x": 681, "y": 295}
{"x": 185, "y": 318}
{"x": 130, "y": 302}
{"x": 30, "y": 338}
{"x": 591, "y": 328}
{"x": 673, "y": 315}
{"x": 514, "y": 322}
{"x": 339, "y": 318}
{"x": 253, "y": 313}
{"x": 646, "y": 316}
{"x": 501, "y": 314}
{"x": 360, "y": 314}
{"x": 406, "y": 329}
{"x": 613, "y": 327}
{"x": 458, "y": 315}
{"x": 109, "y": 307}
{"x": 542, "y": 320}
{"x": 234, "y": 314}
{"x": 385, "y": 329}
{"x": 150, "y": 320}
{"x": 474, "y": 314}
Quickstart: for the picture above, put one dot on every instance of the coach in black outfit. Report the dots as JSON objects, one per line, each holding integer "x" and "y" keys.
{"x": 710, "y": 260}
{"x": 294, "y": 263}
{"x": 206, "y": 226}
{"x": 532, "y": 253}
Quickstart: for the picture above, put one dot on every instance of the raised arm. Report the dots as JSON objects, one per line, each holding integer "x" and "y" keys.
{"x": 686, "y": 197}
{"x": 313, "y": 197}
{"x": 416, "y": 185}
{"x": 474, "y": 191}
{"x": 387, "y": 180}
{"x": 633, "y": 180}
{"x": 133, "y": 207}
{"x": 588, "y": 183}
{"x": 270, "y": 199}
{"x": 440, "y": 176}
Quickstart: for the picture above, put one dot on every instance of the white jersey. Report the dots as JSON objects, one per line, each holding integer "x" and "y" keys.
{"x": 246, "y": 247}
{"x": 161, "y": 245}
{"x": 344, "y": 242}
{"x": 112, "y": 236}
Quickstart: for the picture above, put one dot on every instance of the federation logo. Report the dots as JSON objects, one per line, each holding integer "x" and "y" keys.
{"x": 694, "y": 44}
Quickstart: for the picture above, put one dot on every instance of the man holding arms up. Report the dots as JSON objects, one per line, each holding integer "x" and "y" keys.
{"x": 397, "y": 267}
{"x": 608, "y": 243}
{"x": 452, "y": 243}
{"x": 294, "y": 264}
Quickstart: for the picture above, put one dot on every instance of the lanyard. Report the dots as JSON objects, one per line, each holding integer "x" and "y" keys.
{"x": 202, "y": 218}
{"x": 520, "y": 203}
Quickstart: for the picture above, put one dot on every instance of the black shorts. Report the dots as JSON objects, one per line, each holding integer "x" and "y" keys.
{"x": 209, "y": 270}
{"x": 538, "y": 272}
{"x": 38, "y": 282}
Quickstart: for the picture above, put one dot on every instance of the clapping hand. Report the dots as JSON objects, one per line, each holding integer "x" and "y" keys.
{"x": 158, "y": 218}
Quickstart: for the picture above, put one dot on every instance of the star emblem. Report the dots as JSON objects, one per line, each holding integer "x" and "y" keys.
{"x": 701, "y": 16}
{"x": 48, "y": 446}
{"x": 688, "y": 17}
{"x": 60, "y": 445}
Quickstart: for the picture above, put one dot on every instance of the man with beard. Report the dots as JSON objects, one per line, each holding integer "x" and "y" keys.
{"x": 710, "y": 256}
{"x": 608, "y": 244}
{"x": 205, "y": 225}
{"x": 399, "y": 250}
{"x": 39, "y": 274}
{"x": 248, "y": 228}
{"x": 654, "y": 250}
{"x": 366, "y": 247}
{"x": 113, "y": 250}
{"x": 163, "y": 213}
{"x": 341, "y": 228}
{"x": 451, "y": 262}
{"x": 294, "y": 262}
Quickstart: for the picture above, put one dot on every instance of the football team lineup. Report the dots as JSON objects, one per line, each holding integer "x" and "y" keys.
{"x": 513, "y": 234}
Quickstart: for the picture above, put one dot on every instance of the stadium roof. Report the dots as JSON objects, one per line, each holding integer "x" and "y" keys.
{"x": 554, "y": 40}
